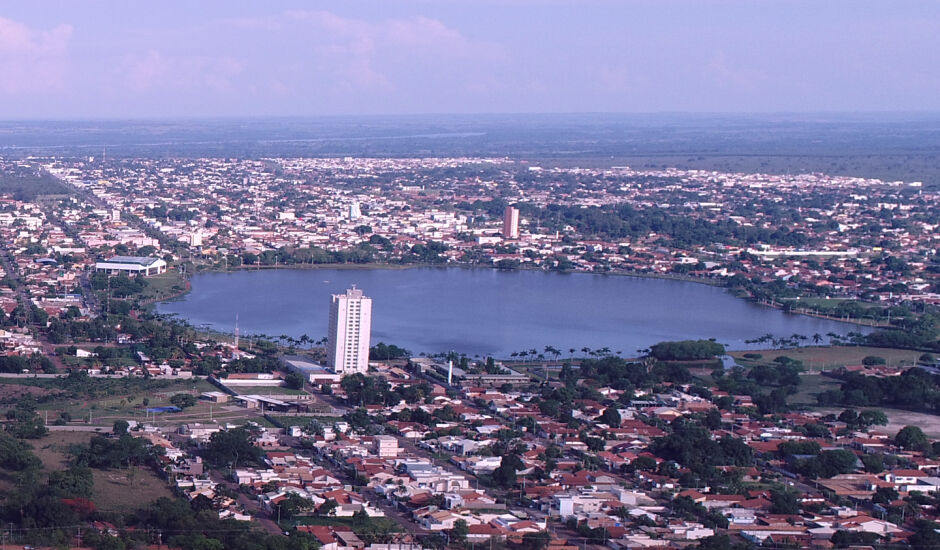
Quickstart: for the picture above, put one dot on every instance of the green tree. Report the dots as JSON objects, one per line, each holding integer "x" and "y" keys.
{"x": 76, "y": 481}
{"x": 328, "y": 508}
{"x": 505, "y": 474}
{"x": 784, "y": 502}
{"x": 459, "y": 533}
{"x": 874, "y": 463}
{"x": 610, "y": 416}
{"x": 535, "y": 541}
{"x": 183, "y": 400}
{"x": 294, "y": 504}
{"x": 911, "y": 438}
{"x": 26, "y": 423}
{"x": 884, "y": 495}
{"x": 294, "y": 380}
{"x": 232, "y": 448}
{"x": 926, "y": 536}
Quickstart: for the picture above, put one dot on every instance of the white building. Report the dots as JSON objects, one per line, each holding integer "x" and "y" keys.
{"x": 386, "y": 446}
{"x": 511, "y": 223}
{"x": 349, "y": 331}
{"x": 132, "y": 265}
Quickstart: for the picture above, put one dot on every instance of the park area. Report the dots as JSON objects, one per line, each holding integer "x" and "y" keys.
{"x": 818, "y": 358}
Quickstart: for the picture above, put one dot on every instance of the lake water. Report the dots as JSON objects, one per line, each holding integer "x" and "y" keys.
{"x": 486, "y": 311}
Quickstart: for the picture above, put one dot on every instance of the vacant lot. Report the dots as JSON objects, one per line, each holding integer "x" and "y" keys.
{"x": 817, "y": 358}
{"x": 115, "y": 490}
{"x": 898, "y": 418}
{"x": 11, "y": 392}
{"x": 127, "y": 404}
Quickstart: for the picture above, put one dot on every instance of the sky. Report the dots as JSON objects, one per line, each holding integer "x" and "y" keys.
{"x": 214, "y": 58}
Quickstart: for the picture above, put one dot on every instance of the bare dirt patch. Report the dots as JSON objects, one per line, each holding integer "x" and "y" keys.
{"x": 897, "y": 419}
{"x": 12, "y": 392}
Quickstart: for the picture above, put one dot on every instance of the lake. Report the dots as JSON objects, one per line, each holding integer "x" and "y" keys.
{"x": 487, "y": 311}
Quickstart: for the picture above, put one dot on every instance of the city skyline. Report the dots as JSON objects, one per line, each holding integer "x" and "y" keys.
{"x": 114, "y": 60}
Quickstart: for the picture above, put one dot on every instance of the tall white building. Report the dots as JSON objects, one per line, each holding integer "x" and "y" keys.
{"x": 511, "y": 223}
{"x": 349, "y": 332}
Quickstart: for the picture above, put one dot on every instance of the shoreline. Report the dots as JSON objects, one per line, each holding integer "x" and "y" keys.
{"x": 399, "y": 267}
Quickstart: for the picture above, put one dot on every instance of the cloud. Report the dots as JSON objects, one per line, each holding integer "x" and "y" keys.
{"x": 155, "y": 71}
{"x": 358, "y": 54}
{"x": 32, "y": 60}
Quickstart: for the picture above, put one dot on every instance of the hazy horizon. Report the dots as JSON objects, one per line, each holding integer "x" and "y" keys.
{"x": 659, "y": 116}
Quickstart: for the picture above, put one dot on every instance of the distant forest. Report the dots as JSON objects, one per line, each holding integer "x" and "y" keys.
{"x": 26, "y": 184}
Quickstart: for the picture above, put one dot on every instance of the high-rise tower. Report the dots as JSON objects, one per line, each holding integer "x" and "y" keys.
{"x": 511, "y": 223}
{"x": 349, "y": 332}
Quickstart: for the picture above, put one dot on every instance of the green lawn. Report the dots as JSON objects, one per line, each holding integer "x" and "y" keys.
{"x": 833, "y": 302}
{"x": 812, "y": 385}
{"x": 163, "y": 286}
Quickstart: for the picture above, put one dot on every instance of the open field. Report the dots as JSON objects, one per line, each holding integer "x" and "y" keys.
{"x": 115, "y": 490}
{"x": 816, "y": 358}
{"x": 163, "y": 286}
{"x": 898, "y": 418}
{"x": 127, "y": 405}
{"x": 812, "y": 385}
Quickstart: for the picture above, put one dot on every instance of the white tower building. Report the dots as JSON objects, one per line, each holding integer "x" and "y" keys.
{"x": 511, "y": 223}
{"x": 349, "y": 332}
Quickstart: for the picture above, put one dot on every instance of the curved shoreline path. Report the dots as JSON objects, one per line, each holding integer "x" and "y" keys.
{"x": 489, "y": 312}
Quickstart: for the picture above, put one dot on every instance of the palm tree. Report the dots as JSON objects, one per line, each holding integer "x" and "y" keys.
{"x": 817, "y": 338}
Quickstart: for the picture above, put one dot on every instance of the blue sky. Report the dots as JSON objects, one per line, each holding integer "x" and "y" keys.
{"x": 114, "y": 59}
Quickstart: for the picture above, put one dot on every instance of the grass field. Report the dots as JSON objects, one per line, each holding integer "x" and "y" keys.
{"x": 115, "y": 490}
{"x": 833, "y": 302}
{"x": 816, "y": 358}
{"x": 127, "y": 405}
{"x": 811, "y": 386}
{"x": 163, "y": 286}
